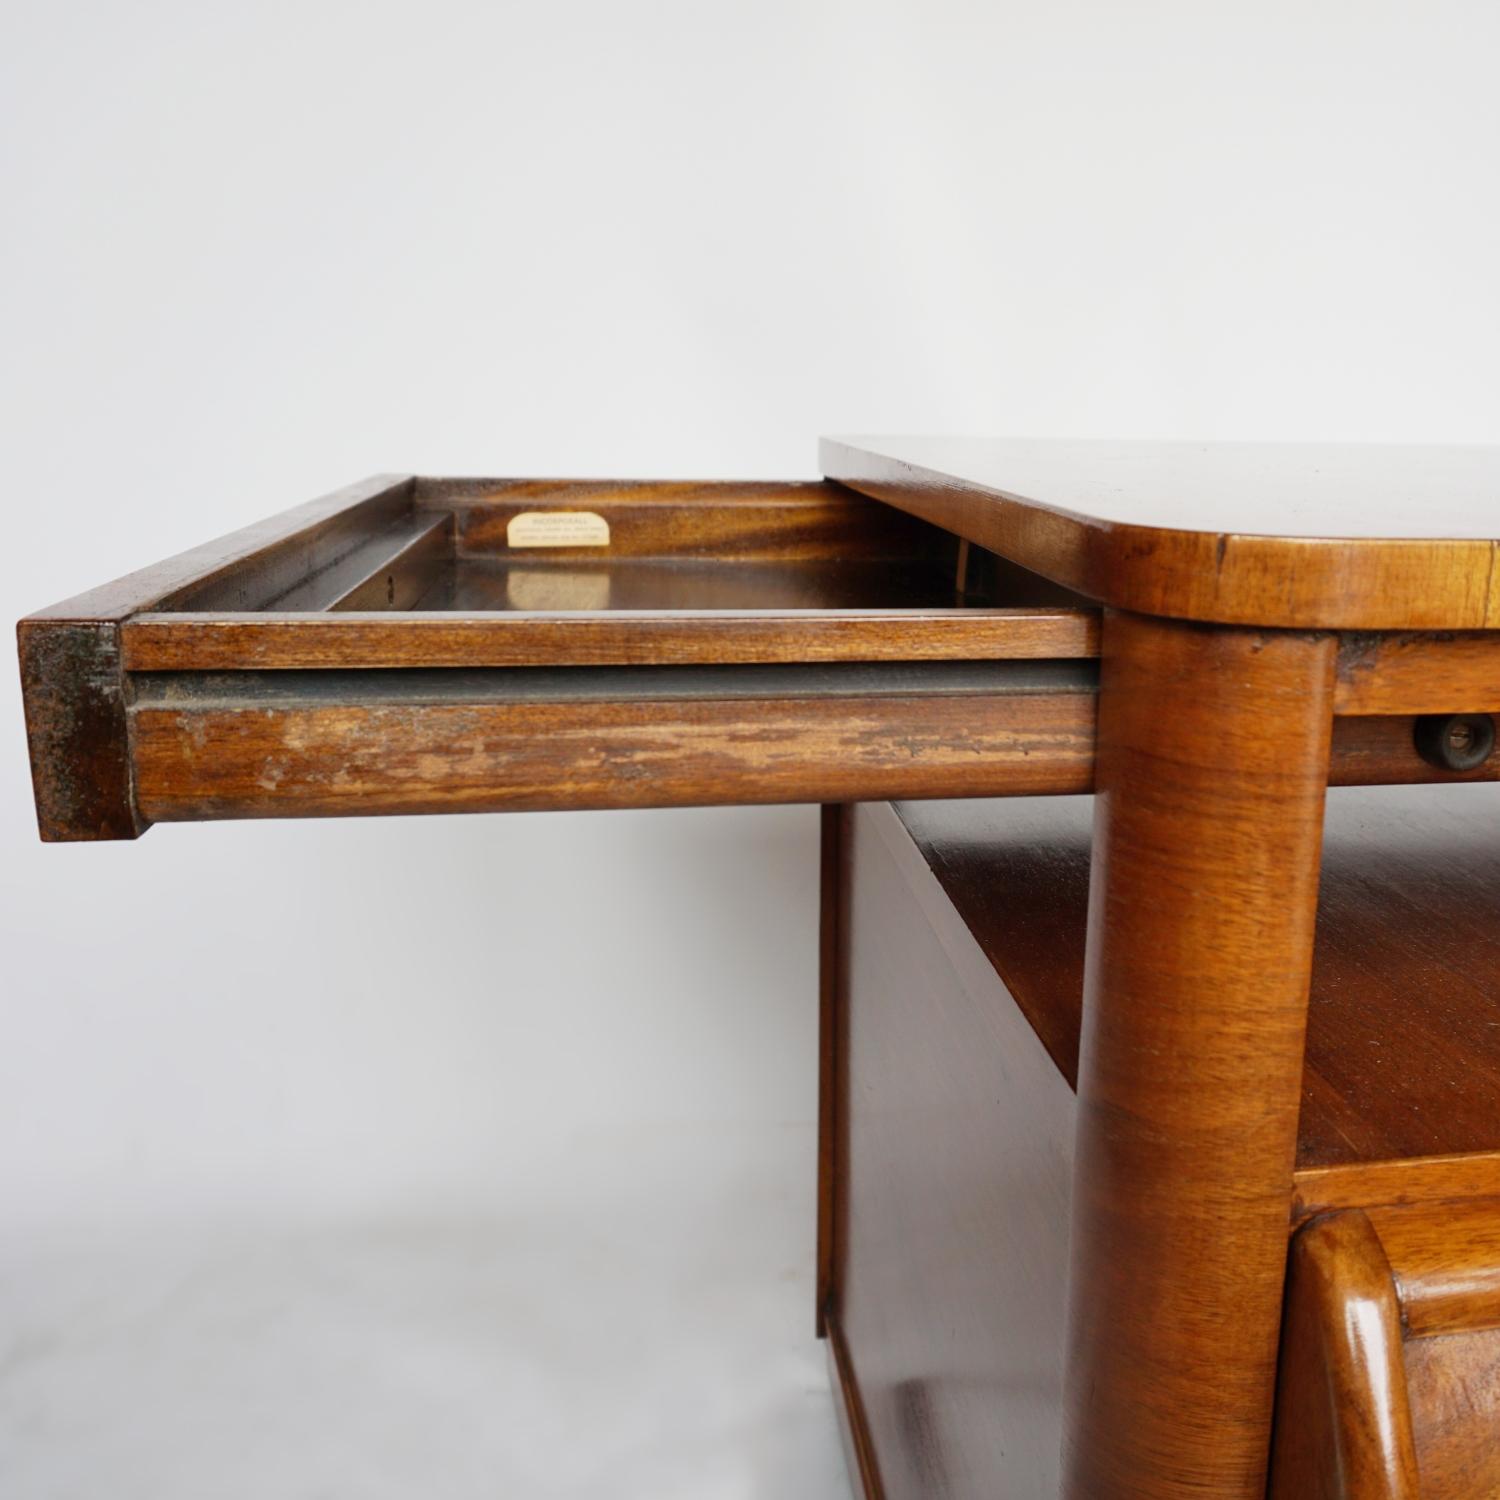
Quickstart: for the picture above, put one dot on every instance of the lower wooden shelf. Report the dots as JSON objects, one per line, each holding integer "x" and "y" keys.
{"x": 1403, "y": 1038}
{"x": 952, "y": 1060}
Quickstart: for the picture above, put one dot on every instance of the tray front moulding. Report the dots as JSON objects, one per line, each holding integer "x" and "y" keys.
{"x": 323, "y": 744}
{"x": 238, "y": 641}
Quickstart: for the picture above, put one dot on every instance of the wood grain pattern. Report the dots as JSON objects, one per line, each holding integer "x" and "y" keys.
{"x": 1453, "y": 1178}
{"x": 746, "y": 522}
{"x": 1403, "y": 1046}
{"x": 174, "y": 643}
{"x": 1445, "y": 1261}
{"x": 342, "y": 583}
{"x": 1447, "y": 1265}
{"x": 1343, "y": 1421}
{"x": 299, "y": 748}
{"x": 1308, "y": 536}
{"x": 1390, "y": 1372}
{"x": 1401, "y": 1078}
{"x": 1016, "y": 874}
{"x": 1419, "y": 674}
{"x": 1213, "y": 755}
{"x": 1454, "y": 1393}
{"x": 1382, "y": 752}
{"x": 956, "y": 1146}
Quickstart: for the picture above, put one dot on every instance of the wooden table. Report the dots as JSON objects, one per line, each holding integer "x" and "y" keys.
{"x": 1073, "y": 1111}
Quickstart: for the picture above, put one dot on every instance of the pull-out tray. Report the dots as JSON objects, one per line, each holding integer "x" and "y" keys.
{"x": 420, "y": 645}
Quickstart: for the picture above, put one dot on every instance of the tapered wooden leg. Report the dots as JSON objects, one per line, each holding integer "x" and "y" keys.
{"x": 1212, "y": 763}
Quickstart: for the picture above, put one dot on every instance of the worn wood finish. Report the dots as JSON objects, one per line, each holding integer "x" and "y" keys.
{"x": 1213, "y": 758}
{"x": 176, "y": 643}
{"x": 798, "y": 573}
{"x": 388, "y": 574}
{"x": 72, "y": 670}
{"x": 1343, "y": 1420}
{"x": 1305, "y": 536}
{"x": 74, "y": 691}
{"x": 294, "y": 746}
{"x": 956, "y": 1144}
{"x": 1420, "y": 674}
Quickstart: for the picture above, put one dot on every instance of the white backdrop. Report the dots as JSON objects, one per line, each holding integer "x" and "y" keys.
{"x": 252, "y": 252}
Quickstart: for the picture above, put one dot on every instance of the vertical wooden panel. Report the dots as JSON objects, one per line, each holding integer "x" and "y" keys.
{"x": 1212, "y": 764}
{"x": 832, "y": 922}
{"x": 954, "y": 1179}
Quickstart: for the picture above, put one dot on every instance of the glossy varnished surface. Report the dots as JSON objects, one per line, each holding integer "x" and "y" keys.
{"x": 1403, "y": 1040}
{"x": 1343, "y": 1417}
{"x": 1201, "y": 909}
{"x": 1318, "y": 536}
{"x": 1454, "y": 1383}
{"x": 1390, "y": 1369}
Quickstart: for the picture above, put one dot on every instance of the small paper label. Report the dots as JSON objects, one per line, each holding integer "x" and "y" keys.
{"x": 557, "y": 528}
{"x": 554, "y": 588}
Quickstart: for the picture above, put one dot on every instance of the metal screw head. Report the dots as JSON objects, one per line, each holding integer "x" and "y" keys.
{"x": 1455, "y": 742}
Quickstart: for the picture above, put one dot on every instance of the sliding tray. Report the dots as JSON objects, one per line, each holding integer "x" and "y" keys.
{"x": 430, "y": 645}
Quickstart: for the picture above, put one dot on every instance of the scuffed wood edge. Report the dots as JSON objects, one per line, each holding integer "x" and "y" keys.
{"x": 1451, "y": 672}
{"x": 73, "y": 681}
{"x": 267, "y": 758}
{"x": 77, "y": 731}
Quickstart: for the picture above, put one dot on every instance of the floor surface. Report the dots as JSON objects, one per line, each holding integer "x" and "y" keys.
{"x": 639, "y": 1335}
